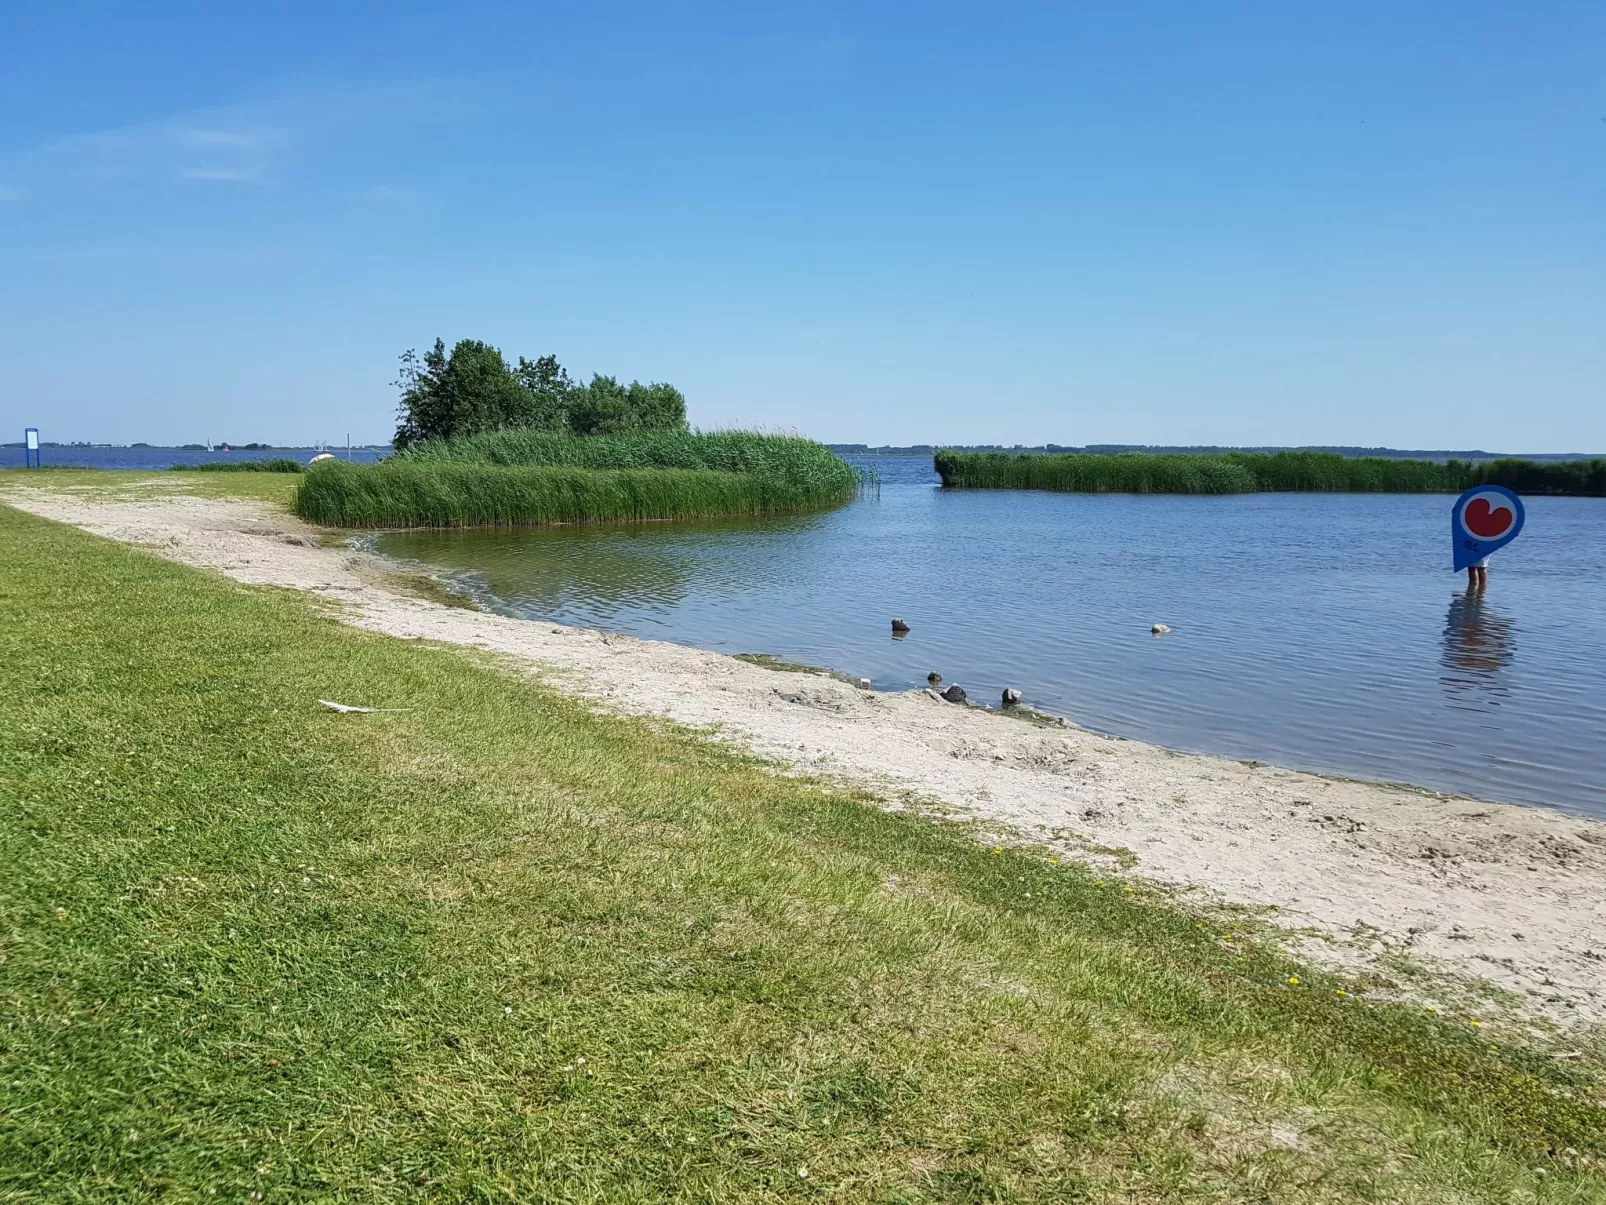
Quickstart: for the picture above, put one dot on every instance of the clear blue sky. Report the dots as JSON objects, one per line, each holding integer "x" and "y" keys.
{"x": 1148, "y": 223}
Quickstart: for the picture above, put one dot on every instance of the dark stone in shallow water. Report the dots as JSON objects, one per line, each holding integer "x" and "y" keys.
{"x": 899, "y": 626}
{"x": 934, "y": 677}
{"x": 955, "y": 693}
{"x": 1011, "y": 696}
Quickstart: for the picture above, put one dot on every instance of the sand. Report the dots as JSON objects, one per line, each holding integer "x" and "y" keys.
{"x": 1358, "y": 872}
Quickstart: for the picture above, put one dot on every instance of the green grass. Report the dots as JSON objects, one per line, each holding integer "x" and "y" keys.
{"x": 276, "y": 489}
{"x": 1331, "y": 473}
{"x": 1132, "y": 473}
{"x": 518, "y": 478}
{"x": 1245, "y": 472}
{"x": 411, "y": 493}
{"x": 497, "y": 947}
{"x": 278, "y": 464}
{"x": 787, "y": 458}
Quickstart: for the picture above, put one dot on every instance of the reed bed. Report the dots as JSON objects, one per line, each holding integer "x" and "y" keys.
{"x": 1248, "y": 472}
{"x": 530, "y": 478}
{"x": 1580, "y": 478}
{"x": 278, "y": 464}
{"x": 789, "y": 458}
{"x": 408, "y": 492}
{"x": 1128, "y": 473}
{"x": 1328, "y": 472}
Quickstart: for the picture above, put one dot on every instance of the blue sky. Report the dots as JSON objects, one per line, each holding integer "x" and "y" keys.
{"x": 1144, "y": 223}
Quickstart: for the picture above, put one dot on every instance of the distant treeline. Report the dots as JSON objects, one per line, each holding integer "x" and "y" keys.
{"x": 1247, "y": 472}
{"x": 472, "y": 389}
{"x": 222, "y": 445}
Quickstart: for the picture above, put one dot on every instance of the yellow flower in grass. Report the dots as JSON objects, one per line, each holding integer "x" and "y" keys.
{"x": 1293, "y": 980}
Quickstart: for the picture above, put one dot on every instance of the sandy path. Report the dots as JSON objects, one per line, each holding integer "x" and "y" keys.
{"x": 1510, "y": 894}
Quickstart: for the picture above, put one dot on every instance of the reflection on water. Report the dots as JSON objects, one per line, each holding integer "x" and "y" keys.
{"x": 1279, "y": 651}
{"x": 602, "y": 575}
{"x": 1478, "y": 644}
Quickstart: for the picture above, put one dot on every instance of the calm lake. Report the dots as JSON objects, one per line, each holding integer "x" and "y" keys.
{"x": 1320, "y": 631}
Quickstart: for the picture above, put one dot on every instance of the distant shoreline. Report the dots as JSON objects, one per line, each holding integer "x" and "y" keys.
{"x": 217, "y": 447}
{"x": 856, "y": 449}
{"x": 1474, "y": 454}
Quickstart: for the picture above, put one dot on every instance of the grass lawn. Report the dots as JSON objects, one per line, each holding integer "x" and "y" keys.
{"x": 277, "y": 489}
{"x": 499, "y": 948}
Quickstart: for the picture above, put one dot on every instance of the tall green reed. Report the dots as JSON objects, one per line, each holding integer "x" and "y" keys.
{"x": 278, "y": 464}
{"x": 1130, "y": 473}
{"x": 788, "y": 458}
{"x": 1244, "y": 472}
{"x": 406, "y": 492}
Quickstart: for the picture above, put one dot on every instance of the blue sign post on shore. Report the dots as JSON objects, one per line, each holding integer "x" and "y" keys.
{"x": 30, "y": 449}
{"x": 1483, "y": 519}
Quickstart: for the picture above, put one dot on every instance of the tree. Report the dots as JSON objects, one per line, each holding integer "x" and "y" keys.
{"x": 549, "y": 388}
{"x": 605, "y": 407}
{"x": 658, "y": 407}
{"x": 469, "y": 391}
{"x": 599, "y": 408}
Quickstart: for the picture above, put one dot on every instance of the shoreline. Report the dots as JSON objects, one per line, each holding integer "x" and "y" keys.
{"x": 1511, "y": 894}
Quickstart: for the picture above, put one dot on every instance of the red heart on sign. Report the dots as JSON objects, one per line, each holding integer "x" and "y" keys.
{"x": 1484, "y": 521}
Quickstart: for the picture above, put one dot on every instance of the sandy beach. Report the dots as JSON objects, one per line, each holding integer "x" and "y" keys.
{"x": 1358, "y": 872}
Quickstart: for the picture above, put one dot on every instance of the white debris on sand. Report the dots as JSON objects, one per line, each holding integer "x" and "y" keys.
{"x": 1510, "y": 894}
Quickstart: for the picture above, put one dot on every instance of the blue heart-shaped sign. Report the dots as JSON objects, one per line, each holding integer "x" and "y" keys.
{"x": 1483, "y": 519}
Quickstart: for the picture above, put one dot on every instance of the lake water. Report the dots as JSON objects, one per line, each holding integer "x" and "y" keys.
{"x": 1321, "y": 631}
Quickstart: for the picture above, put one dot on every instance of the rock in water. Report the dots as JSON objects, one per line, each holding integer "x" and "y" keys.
{"x": 863, "y": 683}
{"x": 1011, "y": 696}
{"x": 934, "y": 677}
{"x": 1159, "y": 629}
{"x": 899, "y": 626}
{"x": 955, "y": 694}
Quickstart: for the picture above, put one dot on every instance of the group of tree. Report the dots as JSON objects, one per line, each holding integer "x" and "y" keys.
{"x": 472, "y": 388}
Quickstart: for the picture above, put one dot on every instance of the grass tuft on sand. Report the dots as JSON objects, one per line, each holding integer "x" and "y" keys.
{"x": 498, "y": 947}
